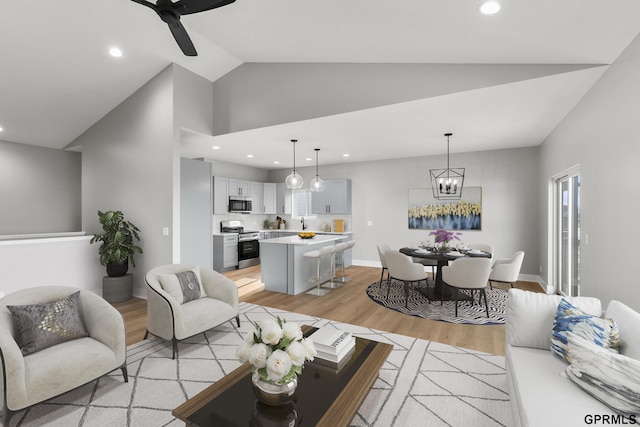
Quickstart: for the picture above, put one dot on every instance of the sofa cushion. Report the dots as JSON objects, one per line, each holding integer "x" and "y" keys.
{"x": 571, "y": 320}
{"x": 540, "y": 396}
{"x": 613, "y": 379}
{"x": 530, "y": 316}
{"x": 628, "y": 322}
{"x": 43, "y": 325}
{"x": 183, "y": 286}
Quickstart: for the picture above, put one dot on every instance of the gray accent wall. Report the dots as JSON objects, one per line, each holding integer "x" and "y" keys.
{"x": 602, "y": 135}
{"x": 128, "y": 165}
{"x": 380, "y": 194}
{"x": 39, "y": 190}
{"x": 263, "y": 94}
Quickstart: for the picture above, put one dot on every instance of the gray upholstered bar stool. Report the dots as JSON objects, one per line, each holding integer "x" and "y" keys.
{"x": 318, "y": 255}
{"x": 341, "y": 248}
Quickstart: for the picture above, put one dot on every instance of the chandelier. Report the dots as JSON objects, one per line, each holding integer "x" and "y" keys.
{"x": 447, "y": 183}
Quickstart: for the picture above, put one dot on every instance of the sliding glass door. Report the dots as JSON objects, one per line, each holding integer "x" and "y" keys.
{"x": 567, "y": 233}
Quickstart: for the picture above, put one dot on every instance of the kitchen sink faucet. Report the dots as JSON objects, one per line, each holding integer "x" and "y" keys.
{"x": 304, "y": 226}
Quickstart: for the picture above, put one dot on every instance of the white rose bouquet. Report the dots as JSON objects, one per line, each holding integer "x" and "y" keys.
{"x": 276, "y": 350}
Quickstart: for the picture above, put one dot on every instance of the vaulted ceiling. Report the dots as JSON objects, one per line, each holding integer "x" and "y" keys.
{"x": 57, "y": 79}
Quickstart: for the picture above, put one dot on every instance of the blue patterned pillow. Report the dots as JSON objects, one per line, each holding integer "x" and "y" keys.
{"x": 569, "y": 318}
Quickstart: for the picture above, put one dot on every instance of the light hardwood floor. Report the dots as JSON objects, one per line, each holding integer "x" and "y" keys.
{"x": 349, "y": 304}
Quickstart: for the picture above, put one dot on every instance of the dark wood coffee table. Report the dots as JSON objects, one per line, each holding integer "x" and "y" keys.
{"x": 324, "y": 396}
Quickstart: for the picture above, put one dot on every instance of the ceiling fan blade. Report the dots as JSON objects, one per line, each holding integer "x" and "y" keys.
{"x": 180, "y": 34}
{"x": 186, "y": 7}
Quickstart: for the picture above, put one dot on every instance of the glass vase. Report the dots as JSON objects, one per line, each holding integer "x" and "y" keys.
{"x": 273, "y": 394}
{"x": 444, "y": 247}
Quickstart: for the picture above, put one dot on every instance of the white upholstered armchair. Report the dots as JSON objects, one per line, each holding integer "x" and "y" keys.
{"x": 172, "y": 319}
{"x": 54, "y": 370}
{"x": 507, "y": 270}
{"x": 471, "y": 274}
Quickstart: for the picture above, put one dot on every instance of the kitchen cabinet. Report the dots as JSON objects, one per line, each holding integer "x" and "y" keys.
{"x": 238, "y": 187}
{"x": 255, "y": 191}
{"x": 283, "y": 195}
{"x": 225, "y": 252}
{"x": 269, "y": 198}
{"x": 220, "y": 195}
{"x": 335, "y": 199}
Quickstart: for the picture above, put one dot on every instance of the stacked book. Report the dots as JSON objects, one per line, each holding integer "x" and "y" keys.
{"x": 333, "y": 346}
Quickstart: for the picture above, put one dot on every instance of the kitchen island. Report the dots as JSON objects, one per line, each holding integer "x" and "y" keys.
{"x": 285, "y": 269}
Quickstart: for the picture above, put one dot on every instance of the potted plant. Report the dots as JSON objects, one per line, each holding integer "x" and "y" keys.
{"x": 118, "y": 243}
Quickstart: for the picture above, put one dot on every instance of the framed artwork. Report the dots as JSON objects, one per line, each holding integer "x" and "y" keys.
{"x": 427, "y": 213}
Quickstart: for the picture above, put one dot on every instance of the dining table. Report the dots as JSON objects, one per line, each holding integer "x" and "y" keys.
{"x": 441, "y": 291}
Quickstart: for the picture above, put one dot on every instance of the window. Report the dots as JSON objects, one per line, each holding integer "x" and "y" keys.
{"x": 566, "y": 232}
{"x": 301, "y": 203}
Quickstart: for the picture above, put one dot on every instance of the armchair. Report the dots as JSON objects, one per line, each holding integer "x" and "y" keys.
{"x": 49, "y": 372}
{"x": 470, "y": 274}
{"x": 167, "y": 318}
{"x": 507, "y": 270}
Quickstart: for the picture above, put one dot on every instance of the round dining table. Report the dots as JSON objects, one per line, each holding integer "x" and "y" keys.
{"x": 443, "y": 260}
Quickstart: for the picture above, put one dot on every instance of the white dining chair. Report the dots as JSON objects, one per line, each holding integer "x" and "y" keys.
{"x": 382, "y": 248}
{"x": 506, "y": 270}
{"x": 470, "y": 274}
{"x": 402, "y": 268}
{"x": 485, "y": 247}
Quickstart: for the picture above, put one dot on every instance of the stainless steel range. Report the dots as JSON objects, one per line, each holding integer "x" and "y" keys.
{"x": 248, "y": 242}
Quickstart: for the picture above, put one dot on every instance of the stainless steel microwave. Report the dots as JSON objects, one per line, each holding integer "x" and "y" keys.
{"x": 239, "y": 204}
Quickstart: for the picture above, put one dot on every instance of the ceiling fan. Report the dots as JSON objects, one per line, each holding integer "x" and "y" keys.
{"x": 171, "y": 12}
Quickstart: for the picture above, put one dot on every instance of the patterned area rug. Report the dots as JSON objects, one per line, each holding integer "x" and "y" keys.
{"x": 437, "y": 384}
{"x": 420, "y": 306}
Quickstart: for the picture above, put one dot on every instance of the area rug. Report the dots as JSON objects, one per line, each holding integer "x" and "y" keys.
{"x": 420, "y": 306}
{"x": 421, "y": 383}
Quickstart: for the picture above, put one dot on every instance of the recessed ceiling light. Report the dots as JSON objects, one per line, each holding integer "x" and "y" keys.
{"x": 215, "y": 147}
{"x": 490, "y": 7}
{"x": 276, "y": 162}
{"x": 308, "y": 159}
{"x": 115, "y": 52}
{"x": 1, "y": 129}
{"x": 345, "y": 155}
{"x": 250, "y": 156}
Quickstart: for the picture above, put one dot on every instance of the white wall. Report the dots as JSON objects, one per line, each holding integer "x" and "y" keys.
{"x": 39, "y": 190}
{"x": 128, "y": 165}
{"x": 602, "y": 134}
{"x": 380, "y": 194}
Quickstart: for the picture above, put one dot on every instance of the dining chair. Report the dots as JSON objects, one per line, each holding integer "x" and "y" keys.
{"x": 470, "y": 274}
{"x": 485, "y": 247}
{"x": 506, "y": 270}
{"x": 402, "y": 268}
{"x": 382, "y": 248}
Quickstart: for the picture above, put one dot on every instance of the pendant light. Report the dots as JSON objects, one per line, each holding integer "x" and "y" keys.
{"x": 447, "y": 183}
{"x": 294, "y": 181}
{"x": 317, "y": 183}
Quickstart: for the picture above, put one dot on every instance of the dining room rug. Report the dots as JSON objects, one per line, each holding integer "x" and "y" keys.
{"x": 437, "y": 384}
{"x": 420, "y": 306}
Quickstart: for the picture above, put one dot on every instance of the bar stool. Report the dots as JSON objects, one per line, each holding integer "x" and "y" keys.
{"x": 318, "y": 255}
{"x": 341, "y": 248}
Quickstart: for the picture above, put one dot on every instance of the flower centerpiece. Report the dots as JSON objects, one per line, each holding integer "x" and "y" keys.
{"x": 444, "y": 237}
{"x": 276, "y": 351}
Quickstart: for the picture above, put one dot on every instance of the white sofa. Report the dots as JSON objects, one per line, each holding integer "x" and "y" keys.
{"x": 539, "y": 394}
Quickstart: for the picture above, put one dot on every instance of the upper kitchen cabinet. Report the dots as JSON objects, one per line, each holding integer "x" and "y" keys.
{"x": 283, "y": 197}
{"x": 335, "y": 199}
{"x": 238, "y": 187}
{"x": 270, "y": 197}
{"x": 255, "y": 191}
{"x": 220, "y": 195}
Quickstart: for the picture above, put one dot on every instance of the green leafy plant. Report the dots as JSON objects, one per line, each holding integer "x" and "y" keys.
{"x": 118, "y": 239}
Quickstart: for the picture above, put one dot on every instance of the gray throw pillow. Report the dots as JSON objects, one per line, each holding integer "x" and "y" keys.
{"x": 184, "y": 286}
{"x": 43, "y": 325}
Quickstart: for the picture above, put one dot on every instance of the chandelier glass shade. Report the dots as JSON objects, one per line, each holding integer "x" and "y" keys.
{"x": 447, "y": 183}
{"x": 317, "y": 183}
{"x": 294, "y": 181}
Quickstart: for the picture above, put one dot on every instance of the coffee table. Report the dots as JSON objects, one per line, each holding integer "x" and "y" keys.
{"x": 324, "y": 396}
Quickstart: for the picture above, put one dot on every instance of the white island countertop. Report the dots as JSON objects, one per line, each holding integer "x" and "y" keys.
{"x": 295, "y": 240}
